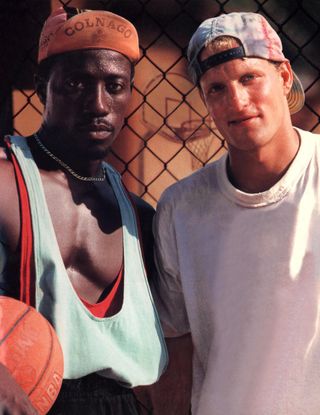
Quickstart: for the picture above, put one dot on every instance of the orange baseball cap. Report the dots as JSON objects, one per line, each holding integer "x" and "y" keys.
{"x": 68, "y": 29}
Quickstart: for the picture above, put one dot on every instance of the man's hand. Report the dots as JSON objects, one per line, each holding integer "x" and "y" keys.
{"x": 13, "y": 400}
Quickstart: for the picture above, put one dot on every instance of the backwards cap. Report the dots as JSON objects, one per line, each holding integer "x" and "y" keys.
{"x": 68, "y": 29}
{"x": 258, "y": 39}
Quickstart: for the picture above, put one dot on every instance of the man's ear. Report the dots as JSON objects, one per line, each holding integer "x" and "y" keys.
{"x": 287, "y": 76}
{"x": 41, "y": 88}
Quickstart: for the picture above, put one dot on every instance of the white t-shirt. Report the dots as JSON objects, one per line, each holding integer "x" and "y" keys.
{"x": 242, "y": 272}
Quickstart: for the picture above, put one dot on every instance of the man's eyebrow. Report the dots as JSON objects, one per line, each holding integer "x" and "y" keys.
{"x": 90, "y": 74}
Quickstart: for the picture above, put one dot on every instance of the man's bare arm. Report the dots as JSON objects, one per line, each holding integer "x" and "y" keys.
{"x": 13, "y": 400}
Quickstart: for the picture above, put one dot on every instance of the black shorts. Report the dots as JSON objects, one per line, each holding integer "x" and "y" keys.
{"x": 94, "y": 395}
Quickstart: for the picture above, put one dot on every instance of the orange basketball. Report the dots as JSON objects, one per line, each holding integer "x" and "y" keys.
{"x": 30, "y": 349}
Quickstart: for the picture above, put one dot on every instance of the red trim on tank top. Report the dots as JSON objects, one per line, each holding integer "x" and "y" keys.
{"x": 101, "y": 308}
{"x": 27, "y": 279}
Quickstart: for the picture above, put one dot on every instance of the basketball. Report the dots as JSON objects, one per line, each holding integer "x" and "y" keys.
{"x": 30, "y": 350}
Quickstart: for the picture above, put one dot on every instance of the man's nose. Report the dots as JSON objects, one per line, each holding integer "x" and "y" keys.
{"x": 238, "y": 96}
{"x": 98, "y": 100}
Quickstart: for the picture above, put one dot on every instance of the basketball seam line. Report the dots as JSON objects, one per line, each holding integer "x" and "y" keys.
{"x": 14, "y": 326}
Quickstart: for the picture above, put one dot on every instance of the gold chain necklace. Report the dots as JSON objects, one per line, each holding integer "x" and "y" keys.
{"x": 68, "y": 168}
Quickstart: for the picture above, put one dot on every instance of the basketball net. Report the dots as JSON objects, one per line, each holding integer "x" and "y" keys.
{"x": 186, "y": 120}
{"x": 197, "y": 141}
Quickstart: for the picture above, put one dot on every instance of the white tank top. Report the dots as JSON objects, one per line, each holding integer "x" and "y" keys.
{"x": 128, "y": 346}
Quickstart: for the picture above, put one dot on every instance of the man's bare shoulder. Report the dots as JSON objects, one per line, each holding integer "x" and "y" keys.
{"x": 2, "y": 153}
{"x": 143, "y": 207}
{"x": 6, "y": 171}
{"x": 9, "y": 205}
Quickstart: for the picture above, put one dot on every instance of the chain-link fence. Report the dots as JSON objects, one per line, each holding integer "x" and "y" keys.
{"x": 167, "y": 134}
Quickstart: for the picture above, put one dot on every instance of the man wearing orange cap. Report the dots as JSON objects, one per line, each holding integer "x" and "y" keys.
{"x": 80, "y": 258}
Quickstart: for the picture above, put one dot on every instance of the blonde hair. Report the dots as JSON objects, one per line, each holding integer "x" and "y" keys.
{"x": 222, "y": 43}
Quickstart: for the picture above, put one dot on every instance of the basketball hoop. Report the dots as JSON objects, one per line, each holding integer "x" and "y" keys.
{"x": 174, "y": 100}
{"x": 197, "y": 139}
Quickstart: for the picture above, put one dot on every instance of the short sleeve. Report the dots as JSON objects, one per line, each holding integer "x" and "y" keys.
{"x": 167, "y": 289}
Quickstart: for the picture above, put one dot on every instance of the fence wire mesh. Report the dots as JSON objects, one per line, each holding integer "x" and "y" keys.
{"x": 167, "y": 133}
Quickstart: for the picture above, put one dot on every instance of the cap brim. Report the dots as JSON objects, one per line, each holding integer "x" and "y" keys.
{"x": 296, "y": 96}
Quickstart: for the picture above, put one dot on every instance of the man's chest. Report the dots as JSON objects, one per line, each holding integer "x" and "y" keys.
{"x": 88, "y": 231}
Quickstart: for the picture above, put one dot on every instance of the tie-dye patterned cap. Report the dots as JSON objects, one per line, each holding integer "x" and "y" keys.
{"x": 258, "y": 40}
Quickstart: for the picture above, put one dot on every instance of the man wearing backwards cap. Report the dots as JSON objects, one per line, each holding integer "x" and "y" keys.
{"x": 89, "y": 274}
{"x": 237, "y": 242}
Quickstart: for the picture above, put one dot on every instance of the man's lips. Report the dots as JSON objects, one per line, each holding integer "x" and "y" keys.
{"x": 242, "y": 119}
{"x": 96, "y": 127}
